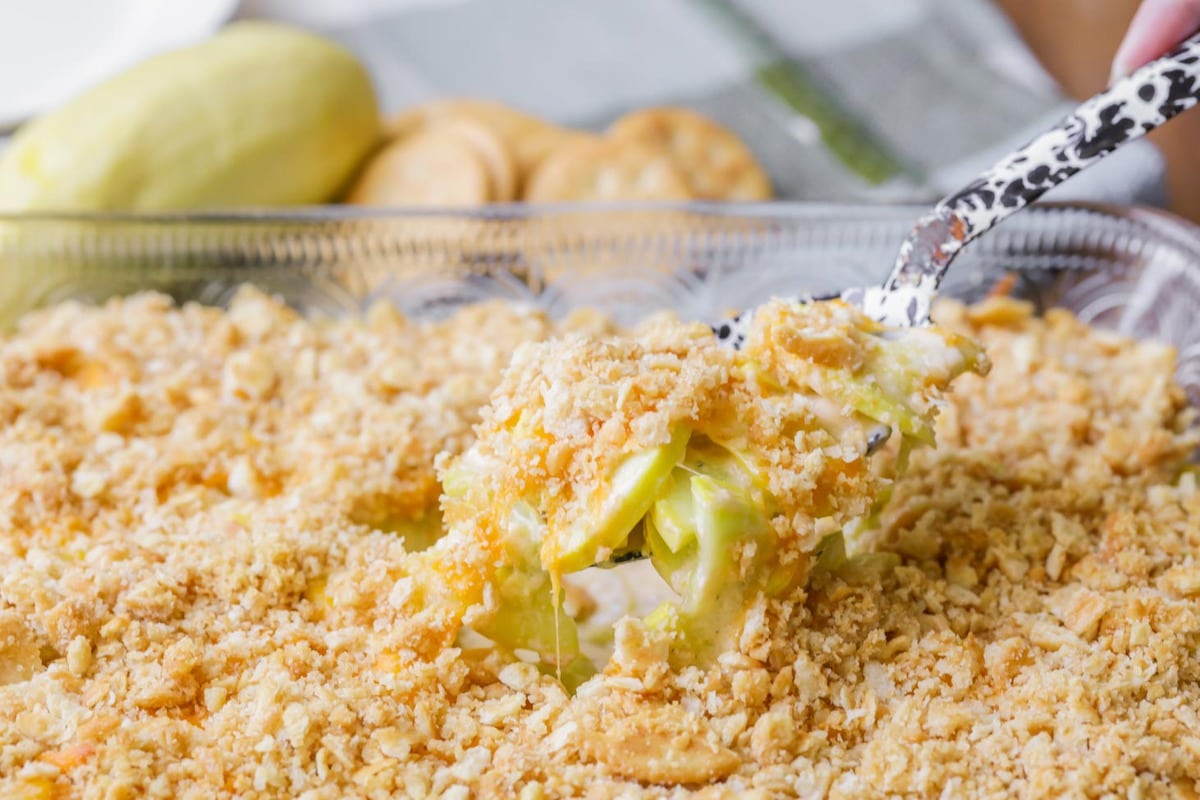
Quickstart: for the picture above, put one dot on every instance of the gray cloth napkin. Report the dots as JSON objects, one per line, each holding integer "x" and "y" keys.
{"x": 846, "y": 101}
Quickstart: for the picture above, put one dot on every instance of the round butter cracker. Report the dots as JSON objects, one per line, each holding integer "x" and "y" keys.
{"x": 607, "y": 170}
{"x": 491, "y": 149}
{"x": 426, "y": 169}
{"x": 527, "y": 138}
{"x": 715, "y": 162}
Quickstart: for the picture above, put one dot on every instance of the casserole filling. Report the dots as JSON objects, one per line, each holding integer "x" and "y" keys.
{"x": 727, "y": 469}
{"x": 220, "y": 531}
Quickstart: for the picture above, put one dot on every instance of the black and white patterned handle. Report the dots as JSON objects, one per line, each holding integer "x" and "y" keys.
{"x": 1126, "y": 111}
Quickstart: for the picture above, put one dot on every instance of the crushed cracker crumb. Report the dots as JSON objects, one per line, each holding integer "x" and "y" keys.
{"x": 205, "y": 519}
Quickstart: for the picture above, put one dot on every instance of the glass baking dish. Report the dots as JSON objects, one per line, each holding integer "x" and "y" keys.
{"x": 1137, "y": 272}
{"x": 1133, "y": 271}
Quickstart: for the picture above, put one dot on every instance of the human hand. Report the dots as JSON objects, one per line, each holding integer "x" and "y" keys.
{"x": 1157, "y": 26}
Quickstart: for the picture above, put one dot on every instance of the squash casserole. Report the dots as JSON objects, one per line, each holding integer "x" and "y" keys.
{"x": 247, "y": 553}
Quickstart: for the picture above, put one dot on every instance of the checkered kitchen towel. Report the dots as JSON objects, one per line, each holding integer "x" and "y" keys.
{"x": 845, "y": 100}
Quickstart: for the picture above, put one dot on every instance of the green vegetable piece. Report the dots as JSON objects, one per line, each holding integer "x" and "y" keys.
{"x": 624, "y": 500}
{"x": 674, "y": 514}
{"x": 573, "y": 674}
{"x": 868, "y": 568}
{"x": 675, "y": 566}
{"x": 869, "y": 399}
{"x": 526, "y": 616}
{"x": 831, "y": 553}
{"x": 833, "y": 559}
{"x": 724, "y": 516}
{"x": 722, "y": 528}
{"x": 418, "y": 533}
{"x": 527, "y": 619}
{"x": 662, "y": 618}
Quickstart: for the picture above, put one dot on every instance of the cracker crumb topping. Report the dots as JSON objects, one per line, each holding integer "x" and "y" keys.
{"x": 211, "y": 521}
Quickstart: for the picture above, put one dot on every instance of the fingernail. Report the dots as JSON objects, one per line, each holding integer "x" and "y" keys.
{"x": 1120, "y": 63}
{"x": 1157, "y": 26}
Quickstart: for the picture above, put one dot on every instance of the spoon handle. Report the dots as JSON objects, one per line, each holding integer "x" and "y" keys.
{"x": 1125, "y": 111}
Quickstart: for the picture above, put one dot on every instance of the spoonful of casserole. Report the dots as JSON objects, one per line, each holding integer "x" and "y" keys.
{"x": 727, "y": 455}
{"x": 726, "y": 468}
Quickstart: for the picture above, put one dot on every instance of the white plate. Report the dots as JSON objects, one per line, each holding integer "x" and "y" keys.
{"x": 50, "y": 50}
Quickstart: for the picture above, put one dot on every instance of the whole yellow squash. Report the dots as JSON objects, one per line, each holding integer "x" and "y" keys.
{"x": 260, "y": 115}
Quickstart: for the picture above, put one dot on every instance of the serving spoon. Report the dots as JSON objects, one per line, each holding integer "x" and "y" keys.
{"x": 1127, "y": 110}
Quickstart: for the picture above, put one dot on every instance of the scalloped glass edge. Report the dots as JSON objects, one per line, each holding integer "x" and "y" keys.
{"x": 1135, "y": 271}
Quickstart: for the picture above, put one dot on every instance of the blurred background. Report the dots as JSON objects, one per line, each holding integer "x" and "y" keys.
{"x": 846, "y": 101}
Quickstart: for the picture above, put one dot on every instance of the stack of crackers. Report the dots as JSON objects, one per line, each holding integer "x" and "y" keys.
{"x": 453, "y": 153}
